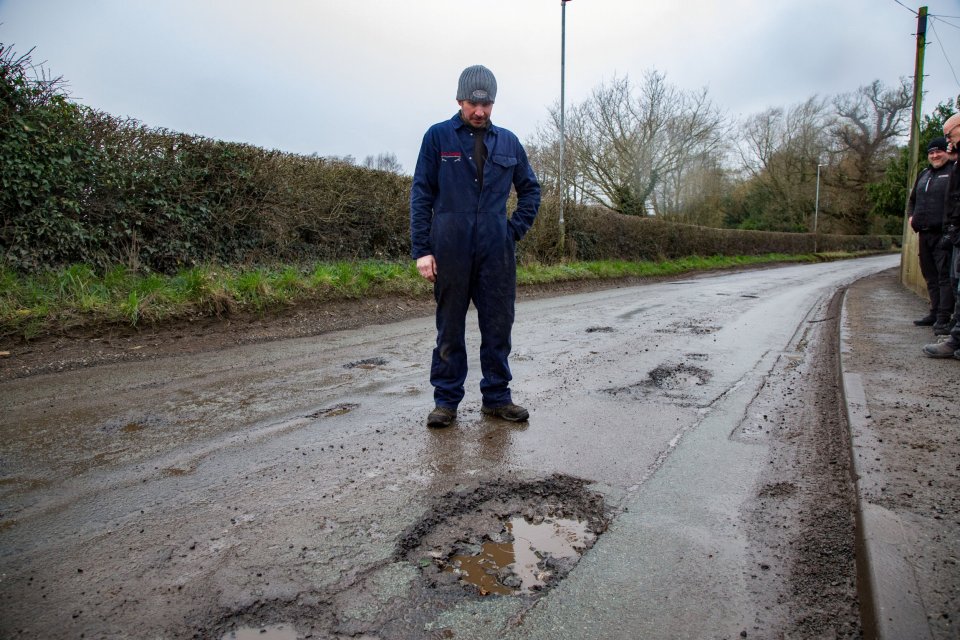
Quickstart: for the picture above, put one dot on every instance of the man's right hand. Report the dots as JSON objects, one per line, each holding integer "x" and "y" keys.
{"x": 427, "y": 266}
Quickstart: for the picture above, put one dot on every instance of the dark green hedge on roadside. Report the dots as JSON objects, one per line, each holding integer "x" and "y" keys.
{"x": 81, "y": 186}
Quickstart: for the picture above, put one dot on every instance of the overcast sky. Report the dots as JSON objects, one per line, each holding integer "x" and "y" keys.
{"x": 361, "y": 77}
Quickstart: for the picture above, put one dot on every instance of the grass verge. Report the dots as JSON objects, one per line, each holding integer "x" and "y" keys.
{"x": 77, "y": 296}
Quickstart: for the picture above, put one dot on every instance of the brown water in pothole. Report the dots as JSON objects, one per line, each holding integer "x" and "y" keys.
{"x": 511, "y": 568}
{"x": 269, "y": 632}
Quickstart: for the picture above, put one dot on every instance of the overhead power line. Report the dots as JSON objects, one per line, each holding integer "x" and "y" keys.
{"x": 905, "y": 7}
{"x": 945, "y": 56}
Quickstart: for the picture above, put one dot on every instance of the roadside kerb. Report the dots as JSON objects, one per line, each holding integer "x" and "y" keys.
{"x": 887, "y": 583}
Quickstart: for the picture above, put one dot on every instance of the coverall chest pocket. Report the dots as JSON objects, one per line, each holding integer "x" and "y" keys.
{"x": 501, "y": 172}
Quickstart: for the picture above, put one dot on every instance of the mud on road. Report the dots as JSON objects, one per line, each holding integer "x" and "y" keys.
{"x": 800, "y": 522}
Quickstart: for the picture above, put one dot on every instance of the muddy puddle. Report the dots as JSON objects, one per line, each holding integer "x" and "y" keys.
{"x": 506, "y": 539}
{"x": 517, "y": 559}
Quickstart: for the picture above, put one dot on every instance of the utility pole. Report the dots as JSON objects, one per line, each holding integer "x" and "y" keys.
{"x": 563, "y": 135}
{"x": 917, "y": 97}
{"x": 910, "y": 242}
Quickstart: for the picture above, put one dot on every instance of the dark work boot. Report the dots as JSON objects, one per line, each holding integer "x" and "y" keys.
{"x": 942, "y": 328}
{"x": 511, "y": 412}
{"x": 926, "y": 321}
{"x": 441, "y": 417}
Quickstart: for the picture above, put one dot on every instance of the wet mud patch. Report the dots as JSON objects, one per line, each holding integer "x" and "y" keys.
{"x": 366, "y": 363}
{"x": 505, "y": 538}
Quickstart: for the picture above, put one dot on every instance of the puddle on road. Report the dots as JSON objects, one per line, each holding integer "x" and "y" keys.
{"x": 269, "y": 632}
{"x": 507, "y": 538}
{"x": 518, "y": 563}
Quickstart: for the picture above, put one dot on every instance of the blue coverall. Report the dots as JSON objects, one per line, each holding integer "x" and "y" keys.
{"x": 467, "y": 231}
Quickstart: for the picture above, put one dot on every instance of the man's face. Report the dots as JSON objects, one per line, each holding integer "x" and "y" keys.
{"x": 937, "y": 158}
{"x": 953, "y": 135}
{"x": 476, "y": 113}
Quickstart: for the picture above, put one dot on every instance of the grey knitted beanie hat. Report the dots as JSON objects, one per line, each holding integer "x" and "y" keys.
{"x": 477, "y": 84}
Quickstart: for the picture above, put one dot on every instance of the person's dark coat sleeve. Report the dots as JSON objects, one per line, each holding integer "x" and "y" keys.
{"x": 423, "y": 194}
{"x": 528, "y": 196}
{"x": 912, "y": 200}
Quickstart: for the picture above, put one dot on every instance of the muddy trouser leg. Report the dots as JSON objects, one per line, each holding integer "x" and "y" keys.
{"x": 454, "y": 255}
{"x": 928, "y": 267}
{"x": 942, "y": 255}
{"x": 494, "y": 295}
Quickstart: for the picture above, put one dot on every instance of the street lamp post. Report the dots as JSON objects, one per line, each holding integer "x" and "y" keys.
{"x": 563, "y": 65}
{"x": 816, "y": 210}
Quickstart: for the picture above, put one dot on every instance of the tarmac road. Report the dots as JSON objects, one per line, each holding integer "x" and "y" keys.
{"x": 284, "y": 487}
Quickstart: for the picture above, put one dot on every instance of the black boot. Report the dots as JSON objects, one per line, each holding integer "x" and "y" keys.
{"x": 942, "y": 328}
{"x": 927, "y": 321}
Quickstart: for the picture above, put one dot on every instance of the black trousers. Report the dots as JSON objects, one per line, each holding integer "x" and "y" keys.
{"x": 935, "y": 267}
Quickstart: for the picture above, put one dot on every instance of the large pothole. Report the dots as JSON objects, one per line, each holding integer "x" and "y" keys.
{"x": 503, "y": 538}
{"x": 506, "y": 538}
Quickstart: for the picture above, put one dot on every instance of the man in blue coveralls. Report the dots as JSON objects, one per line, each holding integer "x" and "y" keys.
{"x": 465, "y": 244}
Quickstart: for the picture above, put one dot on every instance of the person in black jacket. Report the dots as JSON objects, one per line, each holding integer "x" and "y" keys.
{"x": 926, "y": 212}
{"x": 951, "y": 228}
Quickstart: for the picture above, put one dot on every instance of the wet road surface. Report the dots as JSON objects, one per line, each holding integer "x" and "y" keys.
{"x": 269, "y": 486}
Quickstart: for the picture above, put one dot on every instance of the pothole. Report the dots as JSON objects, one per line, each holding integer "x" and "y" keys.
{"x": 695, "y": 329}
{"x": 681, "y": 376}
{"x": 500, "y": 539}
{"x": 676, "y": 382}
{"x": 506, "y": 538}
{"x": 599, "y": 329}
{"x": 336, "y": 410}
{"x": 366, "y": 363}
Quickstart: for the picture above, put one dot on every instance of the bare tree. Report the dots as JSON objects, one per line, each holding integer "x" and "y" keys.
{"x": 624, "y": 143}
{"x": 779, "y": 152}
{"x": 865, "y": 128}
{"x": 383, "y": 162}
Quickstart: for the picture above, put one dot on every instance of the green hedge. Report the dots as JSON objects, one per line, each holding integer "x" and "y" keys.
{"x": 596, "y": 233}
{"x": 81, "y": 186}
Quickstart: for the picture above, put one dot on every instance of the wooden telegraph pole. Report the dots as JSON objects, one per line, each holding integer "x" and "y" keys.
{"x": 909, "y": 258}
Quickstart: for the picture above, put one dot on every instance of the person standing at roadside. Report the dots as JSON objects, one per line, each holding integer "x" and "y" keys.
{"x": 951, "y": 346}
{"x": 465, "y": 244}
{"x": 926, "y": 211}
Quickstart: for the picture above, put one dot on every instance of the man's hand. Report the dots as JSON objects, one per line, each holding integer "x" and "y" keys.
{"x": 427, "y": 266}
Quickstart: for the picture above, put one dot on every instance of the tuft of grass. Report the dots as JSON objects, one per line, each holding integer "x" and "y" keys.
{"x": 35, "y": 305}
